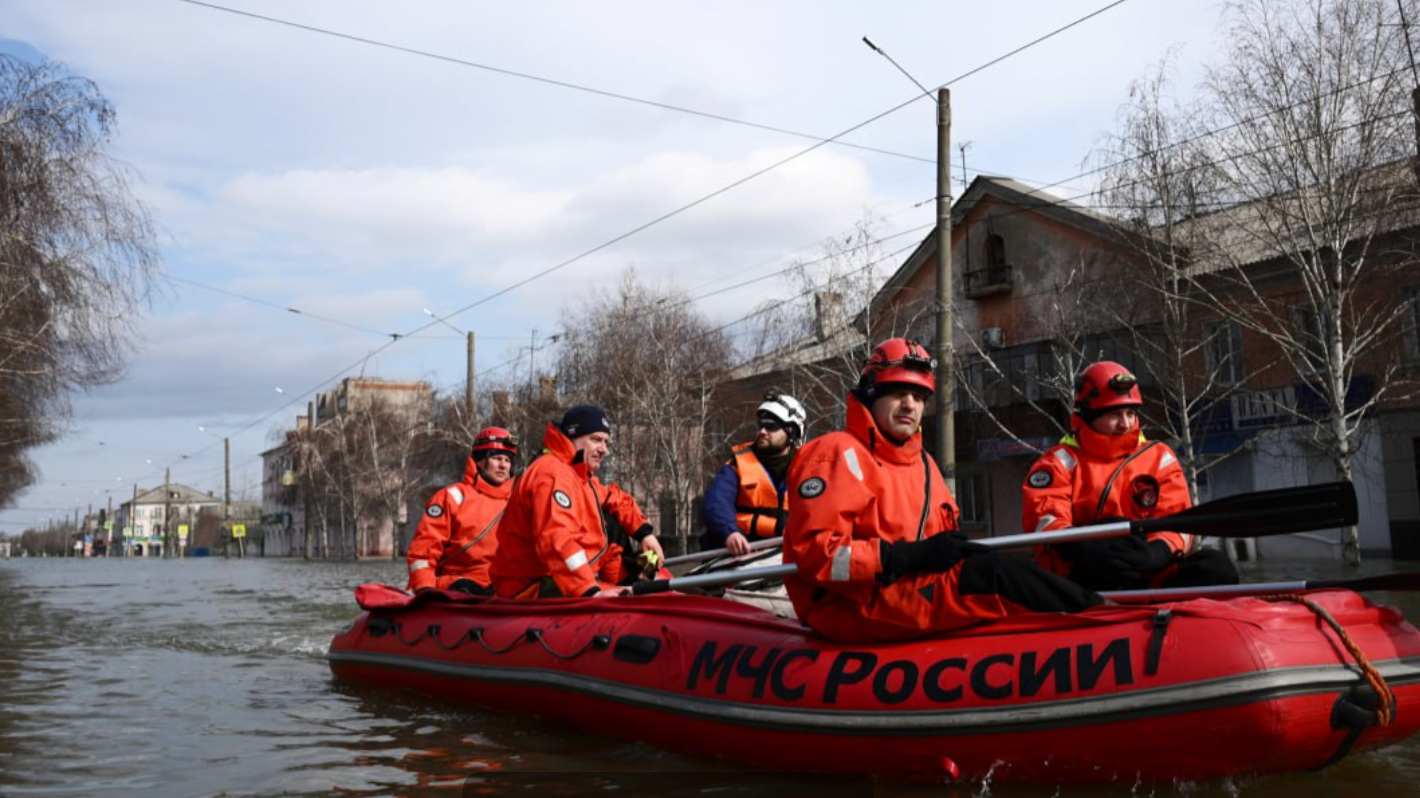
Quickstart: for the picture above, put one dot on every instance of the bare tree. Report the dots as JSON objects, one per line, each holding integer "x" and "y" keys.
{"x": 653, "y": 363}
{"x": 819, "y": 337}
{"x": 77, "y": 255}
{"x": 401, "y": 446}
{"x": 1312, "y": 108}
{"x": 1158, "y": 178}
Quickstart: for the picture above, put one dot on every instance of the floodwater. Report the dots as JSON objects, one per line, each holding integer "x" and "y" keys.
{"x": 206, "y": 677}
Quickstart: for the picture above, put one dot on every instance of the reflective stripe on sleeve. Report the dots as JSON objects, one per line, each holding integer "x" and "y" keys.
{"x": 576, "y": 560}
{"x": 418, "y": 565}
{"x": 1045, "y": 522}
{"x": 1066, "y": 459}
{"x": 1167, "y": 460}
{"x": 850, "y": 456}
{"x": 457, "y": 494}
{"x": 842, "y": 564}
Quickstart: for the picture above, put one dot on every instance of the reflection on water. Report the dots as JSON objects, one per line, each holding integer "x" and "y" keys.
{"x": 204, "y": 677}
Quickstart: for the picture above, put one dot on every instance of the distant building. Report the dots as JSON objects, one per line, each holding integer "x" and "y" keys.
{"x": 296, "y": 524}
{"x": 152, "y": 522}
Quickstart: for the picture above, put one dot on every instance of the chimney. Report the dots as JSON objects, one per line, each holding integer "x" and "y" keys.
{"x": 828, "y": 314}
{"x": 547, "y": 389}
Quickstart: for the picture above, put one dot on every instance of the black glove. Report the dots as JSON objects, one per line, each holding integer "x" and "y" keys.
{"x": 933, "y": 555}
{"x": 470, "y": 587}
{"x": 1135, "y": 557}
{"x": 1115, "y": 563}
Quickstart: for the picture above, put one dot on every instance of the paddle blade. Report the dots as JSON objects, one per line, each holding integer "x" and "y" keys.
{"x": 1269, "y": 512}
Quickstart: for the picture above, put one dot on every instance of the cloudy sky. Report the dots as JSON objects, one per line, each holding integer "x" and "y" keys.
{"x": 362, "y": 161}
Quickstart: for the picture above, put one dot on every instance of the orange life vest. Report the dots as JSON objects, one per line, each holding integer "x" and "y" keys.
{"x": 760, "y": 510}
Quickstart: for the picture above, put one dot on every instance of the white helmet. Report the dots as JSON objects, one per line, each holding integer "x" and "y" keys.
{"x": 786, "y": 409}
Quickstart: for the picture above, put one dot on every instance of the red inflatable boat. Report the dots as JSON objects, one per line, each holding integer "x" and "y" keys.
{"x": 1195, "y": 689}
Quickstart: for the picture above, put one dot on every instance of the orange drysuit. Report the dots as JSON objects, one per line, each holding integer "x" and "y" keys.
{"x": 854, "y": 488}
{"x": 553, "y": 528}
{"x": 1088, "y": 477}
{"x": 457, "y": 536}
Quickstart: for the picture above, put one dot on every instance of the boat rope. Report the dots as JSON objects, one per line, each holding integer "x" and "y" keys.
{"x": 471, "y": 634}
{"x": 600, "y": 642}
{"x": 477, "y": 634}
{"x": 429, "y": 631}
{"x": 1385, "y": 709}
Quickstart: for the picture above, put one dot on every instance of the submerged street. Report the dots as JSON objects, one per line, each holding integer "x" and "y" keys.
{"x": 206, "y": 677}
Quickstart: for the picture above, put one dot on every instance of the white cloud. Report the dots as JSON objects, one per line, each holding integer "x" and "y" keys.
{"x": 360, "y": 183}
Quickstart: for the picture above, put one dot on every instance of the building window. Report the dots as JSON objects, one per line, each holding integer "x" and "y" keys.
{"x": 972, "y": 497}
{"x": 1222, "y": 353}
{"x": 1411, "y": 322}
{"x": 996, "y": 276}
{"x": 1310, "y": 338}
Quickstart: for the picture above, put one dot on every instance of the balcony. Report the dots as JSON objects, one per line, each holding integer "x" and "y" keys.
{"x": 989, "y": 281}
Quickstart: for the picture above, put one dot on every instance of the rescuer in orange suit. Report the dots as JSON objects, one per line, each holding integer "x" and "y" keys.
{"x": 552, "y": 540}
{"x": 873, "y": 530}
{"x": 1106, "y": 470}
{"x": 749, "y": 497}
{"x": 456, "y": 537}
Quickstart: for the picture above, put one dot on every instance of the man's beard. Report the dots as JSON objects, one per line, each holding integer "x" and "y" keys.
{"x": 765, "y": 447}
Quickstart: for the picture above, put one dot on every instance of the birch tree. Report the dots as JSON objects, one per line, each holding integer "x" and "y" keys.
{"x": 1315, "y": 136}
{"x": 1158, "y": 179}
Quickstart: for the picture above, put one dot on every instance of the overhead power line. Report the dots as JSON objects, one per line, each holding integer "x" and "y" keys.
{"x": 548, "y": 81}
{"x": 623, "y": 236}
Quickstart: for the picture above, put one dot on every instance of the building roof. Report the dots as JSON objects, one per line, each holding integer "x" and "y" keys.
{"x": 181, "y": 494}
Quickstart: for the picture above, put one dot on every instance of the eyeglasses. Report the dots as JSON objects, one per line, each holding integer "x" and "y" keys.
{"x": 770, "y": 424}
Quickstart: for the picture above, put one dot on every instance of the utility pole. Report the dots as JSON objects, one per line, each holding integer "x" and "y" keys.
{"x": 168, "y": 533}
{"x": 468, "y": 394}
{"x": 227, "y": 493}
{"x": 946, "y": 439}
{"x": 946, "y": 351}
{"x": 532, "y": 362}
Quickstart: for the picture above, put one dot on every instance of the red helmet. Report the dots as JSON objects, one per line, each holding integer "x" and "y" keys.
{"x": 899, "y": 361}
{"x": 1103, "y": 387}
{"x": 494, "y": 440}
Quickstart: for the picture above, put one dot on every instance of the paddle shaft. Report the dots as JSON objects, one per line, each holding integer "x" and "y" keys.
{"x": 710, "y": 554}
{"x": 1244, "y": 515}
{"x": 1400, "y": 581}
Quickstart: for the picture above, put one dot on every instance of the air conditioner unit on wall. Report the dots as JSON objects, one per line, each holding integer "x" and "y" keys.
{"x": 993, "y": 338}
